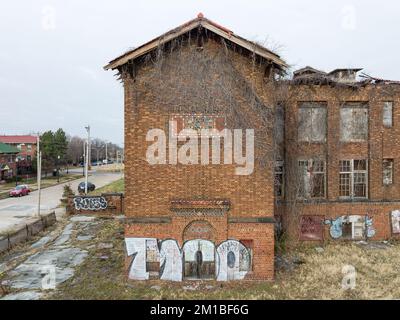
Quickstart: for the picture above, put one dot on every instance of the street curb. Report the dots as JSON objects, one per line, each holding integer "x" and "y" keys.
{"x": 26, "y": 232}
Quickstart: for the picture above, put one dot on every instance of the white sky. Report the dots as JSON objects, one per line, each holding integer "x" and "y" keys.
{"x": 52, "y": 52}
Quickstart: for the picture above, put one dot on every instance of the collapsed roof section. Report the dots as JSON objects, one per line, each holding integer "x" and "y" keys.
{"x": 199, "y": 22}
{"x": 342, "y": 77}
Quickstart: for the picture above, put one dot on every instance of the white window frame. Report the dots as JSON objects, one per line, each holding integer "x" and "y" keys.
{"x": 352, "y": 174}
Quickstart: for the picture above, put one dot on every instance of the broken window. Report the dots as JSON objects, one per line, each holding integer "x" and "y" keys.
{"x": 353, "y": 227}
{"x": 353, "y": 179}
{"x": 354, "y": 122}
{"x": 387, "y": 171}
{"x": 388, "y": 114}
{"x": 312, "y": 179}
{"x": 312, "y": 123}
{"x": 279, "y": 178}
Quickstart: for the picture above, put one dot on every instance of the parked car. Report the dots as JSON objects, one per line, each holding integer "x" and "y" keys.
{"x": 90, "y": 187}
{"x": 20, "y": 191}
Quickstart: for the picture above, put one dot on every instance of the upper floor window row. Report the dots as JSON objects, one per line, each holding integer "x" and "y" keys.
{"x": 354, "y": 122}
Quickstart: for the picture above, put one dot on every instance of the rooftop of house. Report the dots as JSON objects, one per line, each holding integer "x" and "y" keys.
{"x": 16, "y": 139}
{"x": 7, "y": 149}
{"x": 199, "y": 21}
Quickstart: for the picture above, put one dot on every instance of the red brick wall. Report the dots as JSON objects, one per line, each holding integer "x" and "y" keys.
{"x": 381, "y": 143}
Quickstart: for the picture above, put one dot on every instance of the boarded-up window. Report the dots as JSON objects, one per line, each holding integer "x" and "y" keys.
{"x": 311, "y": 179}
{"x": 387, "y": 171}
{"x": 353, "y": 179}
{"x": 388, "y": 114}
{"x": 312, "y": 123}
{"x": 354, "y": 123}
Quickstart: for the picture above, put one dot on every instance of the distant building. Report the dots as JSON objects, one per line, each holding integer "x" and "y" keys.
{"x": 8, "y": 155}
{"x": 26, "y": 146}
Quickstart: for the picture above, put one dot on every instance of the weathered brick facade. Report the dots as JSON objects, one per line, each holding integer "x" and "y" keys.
{"x": 381, "y": 143}
{"x": 205, "y": 221}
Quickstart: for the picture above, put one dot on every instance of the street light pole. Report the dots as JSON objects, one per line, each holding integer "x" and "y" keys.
{"x": 58, "y": 169}
{"x": 106, "y": 153}
{"x": 39, "y": 171}
{"x": 16, "y": 171}
{"x": 87, "y": 159}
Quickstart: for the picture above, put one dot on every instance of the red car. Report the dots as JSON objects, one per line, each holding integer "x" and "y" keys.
{"x": 19, "y": 191}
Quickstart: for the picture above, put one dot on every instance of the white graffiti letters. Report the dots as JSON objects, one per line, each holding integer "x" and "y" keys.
{"x": 170, "y": 261}
{"x": 231, "y": 258}
{"x": 90, "y": 203}
{"x": 233, "y": 261}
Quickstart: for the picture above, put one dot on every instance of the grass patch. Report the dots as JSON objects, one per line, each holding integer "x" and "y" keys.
{"x": 114, "y": 187}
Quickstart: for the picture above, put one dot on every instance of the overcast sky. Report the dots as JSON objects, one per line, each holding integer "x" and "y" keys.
{"x": 52, "y": 52}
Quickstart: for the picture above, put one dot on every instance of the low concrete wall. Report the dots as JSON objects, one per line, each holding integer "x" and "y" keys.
{"x": 106, "y": 204}
{"x": 26, "y": 232}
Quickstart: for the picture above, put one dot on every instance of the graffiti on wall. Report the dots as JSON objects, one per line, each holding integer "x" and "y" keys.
{"x": 90, "y": 203}
{"x": 352, "y": 227}
{"x": 197, "y": 259}
{"x": 395, "y": 222}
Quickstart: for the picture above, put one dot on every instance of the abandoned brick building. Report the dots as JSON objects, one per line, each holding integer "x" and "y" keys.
{"x": 325, "y": 155}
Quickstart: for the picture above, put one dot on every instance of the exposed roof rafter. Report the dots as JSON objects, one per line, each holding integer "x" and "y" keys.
{"x": 187, "y": 27}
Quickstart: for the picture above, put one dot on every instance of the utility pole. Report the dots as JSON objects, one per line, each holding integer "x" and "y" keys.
{"x": 39, "y": 171}
{"x": 87, "y": 158}
{"x": 106, "y": 153}
{"x": 83, "y": 157}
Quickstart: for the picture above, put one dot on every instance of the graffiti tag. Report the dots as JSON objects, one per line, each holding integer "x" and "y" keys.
{"x": 90, "y": 203}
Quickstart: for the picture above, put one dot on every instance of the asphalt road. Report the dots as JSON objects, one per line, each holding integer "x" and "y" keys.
{"x": 19, "y": 211}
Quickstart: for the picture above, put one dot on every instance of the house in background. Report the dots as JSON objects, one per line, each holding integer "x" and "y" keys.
{"x": 8, "y": 155}
{"x": 26, "y": 146}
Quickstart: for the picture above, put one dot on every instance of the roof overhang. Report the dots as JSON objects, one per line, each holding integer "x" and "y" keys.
{"x": 187, "y": 27}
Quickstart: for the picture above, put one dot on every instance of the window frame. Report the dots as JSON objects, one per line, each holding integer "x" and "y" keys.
{"x": 352, "y": 173}
{"x": 385, "y": 103}
{"x": 311, "y": 173}
{"x": 353, "y": 105}
{"x": 311, "y": 105}
{"x": 390, "y": 160}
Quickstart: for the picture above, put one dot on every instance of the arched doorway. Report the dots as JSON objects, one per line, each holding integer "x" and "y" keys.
{"x": 199, "y": 260}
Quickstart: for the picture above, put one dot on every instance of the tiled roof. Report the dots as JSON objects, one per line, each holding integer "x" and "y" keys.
{"x": 18, "y": 139}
